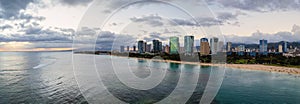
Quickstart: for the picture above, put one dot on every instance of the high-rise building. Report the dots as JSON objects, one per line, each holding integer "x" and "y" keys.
{"x": 134, "y": 48}
{"x": 160, "y": 47}
{"x": 174, "y": 45}
{"x": 285, "y": 47}
{"x": 198, "y": 48}
{"x": 263, "y": 46}
{"x": 280, "y": 48}
{"x": 221, "y": 46}
{"x": 228, "y": 46}
{"x": 145, "y": 46}
{"x": 214, "y": 45}
{"x": 122, "y": 49}
{"x": 167, "y": 49}
{"x": 189, "y": 44}
{"x": 141, "y": 46}
{"x": 204, "y": 46}
{"x": 181, "y": 49}
{"x": 148, "y": 48}
{"x": 241, "y": 48}
{"x": 195, "y": 49}
{"x": 127, "y": 49}
{"x": 155, "y": 46}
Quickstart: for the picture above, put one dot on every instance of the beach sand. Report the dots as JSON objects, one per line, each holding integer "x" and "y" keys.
{"x": 260, "y": 67}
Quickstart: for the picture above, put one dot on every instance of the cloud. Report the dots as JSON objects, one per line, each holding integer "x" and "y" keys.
{"x": 115, "y": 4}
{"x": 221, "y": 19}
{"x": 10, "y": 8}
{"x": 76, "y": 2}
{"x": 167, "y": 31}
{"x": 152, "y": 20}
{"x": 111, "y": 41}
{"x": 292, "y": 36}
{"x": 259, "y": 5}
{"x": 28, "y": 17}
{"x": 227, "y": 16}
{"x": 87, "y": 31}
{"x": 35, "y": 34}
{"x": 31, "y": 31}
{"x": 159, "y": 36}
{"x": 6, "y": 26}
{"x": 155, "y": 35}
{"x": 296, "y": 29}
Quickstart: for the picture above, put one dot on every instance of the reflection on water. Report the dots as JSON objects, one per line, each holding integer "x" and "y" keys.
{"x": 174, "y": 66}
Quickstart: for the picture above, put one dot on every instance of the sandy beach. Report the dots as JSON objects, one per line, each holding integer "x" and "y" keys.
{"x": 260, "y": 67}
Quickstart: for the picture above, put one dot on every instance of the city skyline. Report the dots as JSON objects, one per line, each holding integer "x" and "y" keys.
{"x": 209, "y": 47}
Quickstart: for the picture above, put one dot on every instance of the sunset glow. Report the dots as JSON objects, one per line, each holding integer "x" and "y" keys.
{"x": 25, "y": 47}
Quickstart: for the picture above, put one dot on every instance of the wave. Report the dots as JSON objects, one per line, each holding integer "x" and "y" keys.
{"x": 48, "y": 62}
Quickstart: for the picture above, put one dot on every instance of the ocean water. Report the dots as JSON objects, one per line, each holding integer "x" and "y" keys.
{"x": 50, "y": 77}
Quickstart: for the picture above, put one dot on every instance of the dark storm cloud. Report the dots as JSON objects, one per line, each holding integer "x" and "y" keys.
{"x": 75, "y": 2}
{"x": 259, "y": 5}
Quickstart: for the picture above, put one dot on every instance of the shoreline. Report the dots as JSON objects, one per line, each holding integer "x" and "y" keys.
{"x": 256, "y": 67}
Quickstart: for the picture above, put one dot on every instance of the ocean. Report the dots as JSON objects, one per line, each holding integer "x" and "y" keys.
{"x": 63, "y": 77}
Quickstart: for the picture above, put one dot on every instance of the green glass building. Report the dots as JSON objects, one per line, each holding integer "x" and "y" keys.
{"x": 174, "y": 45}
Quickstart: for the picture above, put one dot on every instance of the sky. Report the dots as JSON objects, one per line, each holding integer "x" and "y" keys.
{"x": 43, "y": 25}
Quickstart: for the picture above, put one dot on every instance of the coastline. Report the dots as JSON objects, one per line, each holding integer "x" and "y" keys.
{"x": 257, "y": 67}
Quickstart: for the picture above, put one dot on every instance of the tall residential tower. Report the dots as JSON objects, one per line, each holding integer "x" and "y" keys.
{"x": 188, "y": 44}
{"x": 174, "y": 45}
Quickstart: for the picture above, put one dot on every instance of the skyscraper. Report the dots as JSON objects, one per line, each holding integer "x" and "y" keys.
{"x": 189, "y": 44}
{"x": 241, "y": 48}
{"x": 134, "y": 48}
{"x": 167, "y": 49}
{"x": 148, "y": 48}
{"x": 141, "y": 46}
{"x": 228, "y": 46}
{"x": 160, "y": 47}
{"x": 204, "y": 46}
{"x": 280, "y": 48}
{"x": 285, "y": 47}
{"x": 122, "y": 49}
{"x": 263, "y": 46}
{"x": 221, "y": 46}
{"x": 127, "y": 49}
{"x": 145, "y": 46}
{"x": 214, "y": 45}
{"x": 198, "y": 48}
{"x": 174, "y": 45}
{"x": 155, "y": 46}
